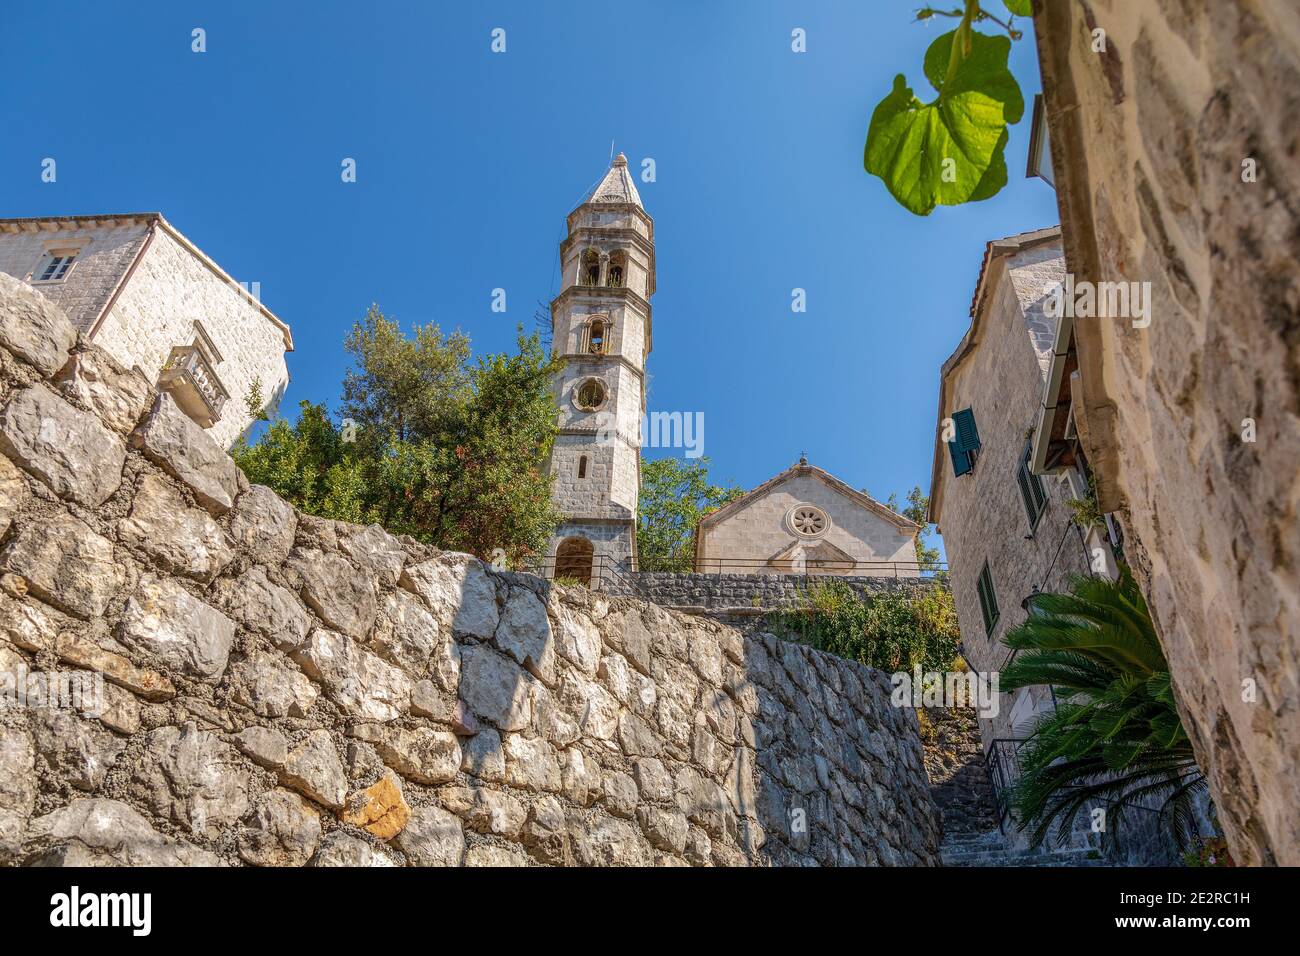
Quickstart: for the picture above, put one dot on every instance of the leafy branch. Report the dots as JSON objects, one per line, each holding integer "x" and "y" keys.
{"x": 951, "y": 150}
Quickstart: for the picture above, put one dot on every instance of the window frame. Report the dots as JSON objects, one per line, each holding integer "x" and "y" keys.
{"x": 60, "y": 258}
{"x": 988, "y": 599}
{"x": 1028, "y": 482}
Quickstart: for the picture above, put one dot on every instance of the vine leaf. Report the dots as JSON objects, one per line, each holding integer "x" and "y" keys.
{"x": 1020, "y": 8}
{"x": 908, "y": 140}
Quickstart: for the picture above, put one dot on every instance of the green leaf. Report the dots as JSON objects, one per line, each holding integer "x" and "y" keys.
{"x": 908, "y": 140}
{"x": 1021, "y": 8}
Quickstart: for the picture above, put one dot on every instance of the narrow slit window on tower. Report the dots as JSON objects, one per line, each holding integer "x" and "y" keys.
{"x": 596, "y": 338}
{"x": 590, "y": 268}
{"x": 582, "y": 467}
{"x": 617, "y": 262}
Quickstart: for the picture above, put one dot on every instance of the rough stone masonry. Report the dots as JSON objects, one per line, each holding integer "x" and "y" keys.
{"x": 282, "y": 690}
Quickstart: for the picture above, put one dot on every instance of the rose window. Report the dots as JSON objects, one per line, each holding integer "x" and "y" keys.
{"x": 808, "y": 521}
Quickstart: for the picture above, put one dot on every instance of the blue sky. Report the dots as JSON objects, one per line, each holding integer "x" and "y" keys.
{"x": 468, "y": 162}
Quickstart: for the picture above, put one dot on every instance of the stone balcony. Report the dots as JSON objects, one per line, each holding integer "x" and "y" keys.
{"x": 193, "y": 383}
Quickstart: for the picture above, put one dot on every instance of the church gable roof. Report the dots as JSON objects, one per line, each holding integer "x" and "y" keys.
{"x": 803, "y": 469}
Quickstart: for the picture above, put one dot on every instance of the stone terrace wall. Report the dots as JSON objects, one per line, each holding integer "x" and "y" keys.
{"x": 1152, "y": 139}
{"x": 716, "y": 591}
{"x": 285, "y": 690}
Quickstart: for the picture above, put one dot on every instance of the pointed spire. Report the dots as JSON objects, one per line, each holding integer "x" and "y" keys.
{"x": 617, "y": 186}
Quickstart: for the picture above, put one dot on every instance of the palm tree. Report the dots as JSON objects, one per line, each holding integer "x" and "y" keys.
{"x": 1116, "y": 736}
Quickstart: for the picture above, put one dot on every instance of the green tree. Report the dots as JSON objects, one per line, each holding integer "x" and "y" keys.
{"x": 1115, "y": 735}
{"x": 950, "y": 150}
{"x": 675, "y": 495}
{"x": 918, "y": 510}
{"x": 430, "y": 445}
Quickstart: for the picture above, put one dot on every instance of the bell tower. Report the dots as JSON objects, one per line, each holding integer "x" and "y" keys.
{"x": 601, "y": 327}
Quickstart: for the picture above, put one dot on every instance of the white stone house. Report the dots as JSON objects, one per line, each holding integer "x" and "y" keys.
{"x": 134, "y": 285}
{"x": 805, "y": 520}
{"x": 1007, "y": 531}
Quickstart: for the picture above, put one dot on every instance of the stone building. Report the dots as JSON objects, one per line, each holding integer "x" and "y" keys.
{"x": 135, "y": 286}
{"x": 1173, "y": 146}
{"x": 601, "y": 327}
{"x": 1007, "y": 532}
{"x": 806, "y": 520}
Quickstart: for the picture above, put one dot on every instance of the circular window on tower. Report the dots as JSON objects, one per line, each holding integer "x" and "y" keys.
{"x": 808, "y": 521}
{"x": 590, "y": 395}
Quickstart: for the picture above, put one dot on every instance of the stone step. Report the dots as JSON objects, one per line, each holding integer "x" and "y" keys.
{"x": 1008, "y": 857}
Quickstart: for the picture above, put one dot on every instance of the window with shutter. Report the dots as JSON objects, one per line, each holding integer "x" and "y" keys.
{"x": 965, "y": 444}
{"x": 988, "y": 600}
{"x": 1031, "y": 489}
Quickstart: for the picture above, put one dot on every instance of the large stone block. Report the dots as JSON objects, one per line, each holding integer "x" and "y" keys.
{"x": 94, "y": 379}
{"x": 190, "y": 777}
{"x": 100, "y": 832}
{"x": 433, "y": 837}
{"x": 421, "y": 754}
{"x": 79, "y": 751}
{"x": 284, "y": 831}
{"x": 495, "y": 688}
{"x": 177, "y": 537}
{"x": 459, "y": 591}
{"x": 13, "y": 493}
{"x": 65, "y": 564}
{"x": 363, "y": 685}
{"x": 32, "y": 327}
{"x": 64, "y": 447}
{"x": 343, "y": 598}
{"x": 314, "y": 769}
{"x": 17, "y": 788}
{"x": 270, "y": 686}
{"x": 262, "y": 525}
{"x": 177, "y": 444}
{"x": 264, "y": 608}
{"x": 170, "y": 624}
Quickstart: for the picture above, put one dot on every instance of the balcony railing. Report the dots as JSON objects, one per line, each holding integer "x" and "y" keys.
{"x": 194, "y": 385}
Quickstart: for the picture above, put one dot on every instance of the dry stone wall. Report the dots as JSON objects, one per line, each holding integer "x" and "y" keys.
{"x": 278, "y": 689}
{"x": 719, "y": 591}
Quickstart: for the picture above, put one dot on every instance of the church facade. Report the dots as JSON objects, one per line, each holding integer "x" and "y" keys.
{"x": 806, "y": 521}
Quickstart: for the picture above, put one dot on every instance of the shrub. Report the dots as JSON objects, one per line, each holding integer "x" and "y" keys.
{"x": 891, "y": 630}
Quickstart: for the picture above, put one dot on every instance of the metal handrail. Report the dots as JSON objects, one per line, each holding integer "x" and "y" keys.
{"x": 896, "y": 569}
{"x": 1002, "y": 763}
{"x": 604, "y": 569}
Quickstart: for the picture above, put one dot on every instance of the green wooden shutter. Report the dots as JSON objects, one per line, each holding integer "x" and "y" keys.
{"x": 961, "y": 462}
{"x": 967, "y": 434}
{"x": 1023, "y": 479}
{"x": 966, "y": 439}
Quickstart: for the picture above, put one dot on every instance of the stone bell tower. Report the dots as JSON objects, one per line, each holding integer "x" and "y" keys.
{"x": 601, "y": 327}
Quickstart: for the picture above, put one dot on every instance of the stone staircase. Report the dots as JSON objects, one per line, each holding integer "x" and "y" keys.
{"x": 992, "y": 848}
{"x": 963, "y": 793}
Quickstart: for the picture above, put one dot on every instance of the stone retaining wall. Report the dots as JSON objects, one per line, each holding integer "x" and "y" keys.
{"x": 716, "y": 591}
{"x": 279, "y": 689}
{"x": 1174, "y": 152}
